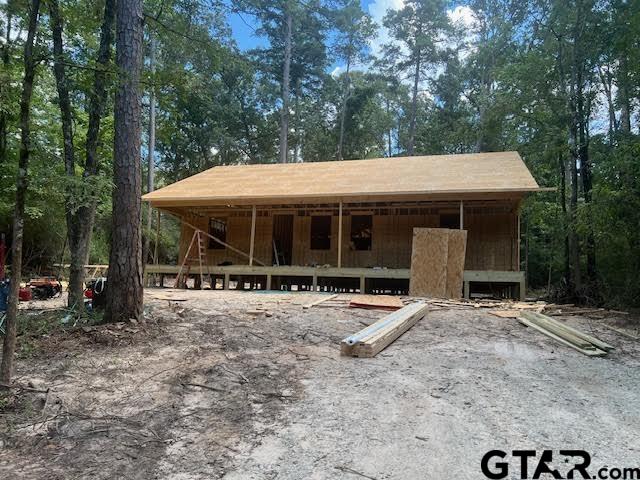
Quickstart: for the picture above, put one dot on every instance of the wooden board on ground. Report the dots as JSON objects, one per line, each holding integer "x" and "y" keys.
{"x": 429, "y": 256}
{"x": 572, "y": 337}
{"x": 622, "y": 332}
{"x": 455, "y": 263}
{"x": 555, "y": 324}
{"x": 506, "y": 313}
{"x": 595, "y": 352}
{"x": 318, "y": 302}
{"x": 371, "y": 340}
{"x": 379, "y": 302}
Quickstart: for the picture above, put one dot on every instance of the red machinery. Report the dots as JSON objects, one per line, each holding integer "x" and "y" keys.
{"x": 45, "y": 287}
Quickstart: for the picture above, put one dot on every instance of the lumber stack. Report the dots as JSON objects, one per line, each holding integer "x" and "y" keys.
{"x": 571, "y": 337}
{"x": 371, "y": 340}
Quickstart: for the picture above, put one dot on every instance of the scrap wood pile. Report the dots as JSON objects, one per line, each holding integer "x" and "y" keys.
{"x": 530, "y": 314}
{"x": 371, "y": 302}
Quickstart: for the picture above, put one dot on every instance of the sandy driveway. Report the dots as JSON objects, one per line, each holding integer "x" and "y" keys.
{"x": 212, "y": 387}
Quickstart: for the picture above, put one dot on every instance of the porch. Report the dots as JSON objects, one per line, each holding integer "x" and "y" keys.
{"x": 362, "y": 280}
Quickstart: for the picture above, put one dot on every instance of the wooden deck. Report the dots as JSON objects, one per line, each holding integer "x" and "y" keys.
{"x": 312, "y": 277}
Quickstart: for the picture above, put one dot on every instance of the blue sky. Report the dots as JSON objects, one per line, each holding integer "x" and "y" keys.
{"x": 243, "y": 26}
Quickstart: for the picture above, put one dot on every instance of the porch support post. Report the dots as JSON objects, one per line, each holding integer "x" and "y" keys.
{"x": 340, "y": 234}
{"x": 253, "y": 234}
{"x": 461, "y": 215}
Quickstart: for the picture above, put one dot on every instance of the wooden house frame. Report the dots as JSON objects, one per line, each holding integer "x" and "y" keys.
{"x": 348, "y": 225}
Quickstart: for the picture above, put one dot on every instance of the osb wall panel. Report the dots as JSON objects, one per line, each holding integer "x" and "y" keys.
{"x": 430, "y": 253}
{"x": 455, "y": 262}
{"x": 302, "y": 253}
{"x": 491, "y": 241}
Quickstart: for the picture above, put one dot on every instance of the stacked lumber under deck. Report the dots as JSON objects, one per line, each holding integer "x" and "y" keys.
{"x": 565, "y": 334}
{"x": 369, "y": 341}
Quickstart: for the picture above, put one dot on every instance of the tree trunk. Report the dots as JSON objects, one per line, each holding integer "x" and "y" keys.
{"x": 563, "y": 204}
{"x": 605, "y": 78}
{"x": 624, "y": 96}
{"x": 574, "y": 248}
{"x": 152, "y": 147}
{"x": 389, "y": 132}
{"x": 343, "y": 110}
{"x": 587, "y": 186}
{"x": 4, "y": 87}
{"x": 9, "y": 345}
{"x": 83, "y": 217}
{"x": 414, "y": 107}
{"x": 124, "y": 280}
{"x": 75, "y": 299}
{"x": 284, "y": 118}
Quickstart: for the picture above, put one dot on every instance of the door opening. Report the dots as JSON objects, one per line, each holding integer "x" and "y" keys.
{"x": 282, "y": 239}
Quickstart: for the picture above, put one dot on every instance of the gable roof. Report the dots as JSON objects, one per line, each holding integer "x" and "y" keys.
{"x": 501, "y": 172}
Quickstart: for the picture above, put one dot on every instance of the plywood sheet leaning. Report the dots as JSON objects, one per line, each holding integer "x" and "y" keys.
{"x": 429, "y": 256}
{"x": 455, "y": 262}
{"x": 379, "y": 302}
{"x": 371, "y": 340}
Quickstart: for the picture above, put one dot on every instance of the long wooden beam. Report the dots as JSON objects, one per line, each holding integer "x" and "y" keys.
{"x": 340, "y": 235}
{"x": 216, "y": 239}
{"x": 253, "y": 234}
{"x": 371, "y": 340}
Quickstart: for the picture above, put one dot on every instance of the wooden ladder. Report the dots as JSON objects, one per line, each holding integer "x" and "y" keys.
{"x": 196, "y": 255}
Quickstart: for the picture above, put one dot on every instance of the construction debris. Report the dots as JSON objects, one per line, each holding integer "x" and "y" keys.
{"x": 379, "y": 302}
{"x": 622, "y": 332}
{"x": 371, "y": 340}
{"x": 318, "y": 302}
{"x": 505, "y": 313}
{"x": 565, "y": 334}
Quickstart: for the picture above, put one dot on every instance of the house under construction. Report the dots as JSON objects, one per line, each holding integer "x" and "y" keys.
{"x": 347, "y": 225}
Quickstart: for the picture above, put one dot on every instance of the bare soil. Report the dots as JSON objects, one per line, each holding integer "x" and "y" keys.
{"x": 249, "y": 385}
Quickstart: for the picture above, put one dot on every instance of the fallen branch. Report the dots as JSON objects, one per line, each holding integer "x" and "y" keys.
{"x": 207, "y": 387}
{"x": 22, "y": 387}
{"x": 354, "y": 472}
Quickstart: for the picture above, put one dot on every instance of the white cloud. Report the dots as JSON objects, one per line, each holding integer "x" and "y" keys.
{"x": 335, "y": 73}
{"x": 377, "y": 10}
{"x": 463, "y": 16}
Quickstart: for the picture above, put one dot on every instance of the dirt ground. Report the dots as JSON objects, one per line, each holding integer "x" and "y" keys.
{"x": 249, "y": 385}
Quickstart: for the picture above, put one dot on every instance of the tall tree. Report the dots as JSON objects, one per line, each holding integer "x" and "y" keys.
{"x": 354, "y": 31}
{"x": 286, "y": 88}
{"x": 5, "y": 81}
{"x": 296, "y": 49}
{"x": 80, "y": 202}
{"x": 151, "y": 146}
{"x": 30, "y": 62}
{"x": 124, "y": 280}
{"x": 418, "y": 31}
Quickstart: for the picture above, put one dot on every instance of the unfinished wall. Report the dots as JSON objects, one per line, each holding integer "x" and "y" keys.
{"x": 491, "y": 242}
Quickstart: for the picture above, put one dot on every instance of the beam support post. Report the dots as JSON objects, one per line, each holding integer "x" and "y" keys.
{"x": 340, "y": 234}
{"x": 253, "y": 234}
{"x": 461, "y": 215}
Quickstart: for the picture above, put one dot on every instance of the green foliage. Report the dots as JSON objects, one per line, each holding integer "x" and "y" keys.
{"x": 524, "y": 76}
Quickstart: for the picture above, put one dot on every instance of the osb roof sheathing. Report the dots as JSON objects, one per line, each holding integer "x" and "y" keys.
{"x": 502, "y": 172}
